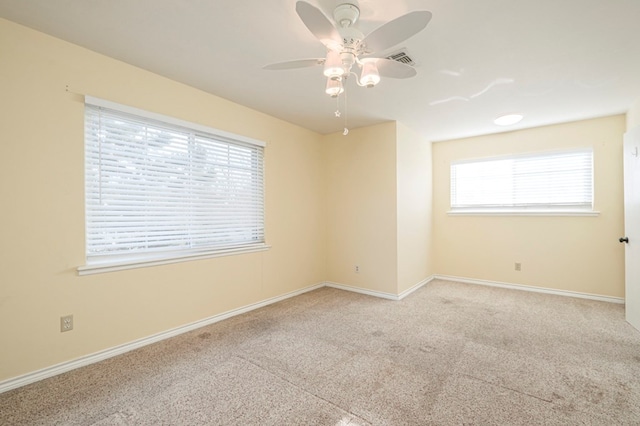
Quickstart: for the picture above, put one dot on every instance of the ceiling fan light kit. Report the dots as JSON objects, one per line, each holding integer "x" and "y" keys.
{"x": 333, "y": 68}
{"x": 334, "y": 87}
{"x": 370, "y": 76}
{"x": 347, "y": 46}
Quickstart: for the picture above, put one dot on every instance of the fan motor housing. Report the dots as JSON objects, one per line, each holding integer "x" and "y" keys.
{"x": 346, "y": 14}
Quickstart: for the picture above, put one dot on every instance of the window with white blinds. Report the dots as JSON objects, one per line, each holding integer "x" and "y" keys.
{"x": 544, "y": 182}
{"x": 161, "y": 188}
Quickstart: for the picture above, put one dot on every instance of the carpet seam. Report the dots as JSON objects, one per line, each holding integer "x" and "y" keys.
{"x": 284, "y": 379}
{"x": 507, "y": 388}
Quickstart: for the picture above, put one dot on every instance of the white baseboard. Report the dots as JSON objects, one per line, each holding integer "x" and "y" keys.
{"x": 381, "y": 294}
{"x": 523, "y": 287}
{"x": 63, "y": 367}
{"x": 54, "y": 370}
{"x": 416, "y": 287}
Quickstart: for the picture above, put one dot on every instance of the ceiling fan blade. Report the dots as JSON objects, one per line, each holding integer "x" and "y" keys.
{"x": 397, "y": 31}
{"x": 300, "y": 63}
{"x": 318, "y": 24}
{"x": 394, "y": 69}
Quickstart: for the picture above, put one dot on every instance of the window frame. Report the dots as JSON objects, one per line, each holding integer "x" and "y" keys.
{"x": 114, "y": 262}
{"x": 510, "y": 210}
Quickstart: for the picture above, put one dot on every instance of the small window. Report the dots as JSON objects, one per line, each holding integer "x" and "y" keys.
{"x": 545, "y": 183}
{"x": 157, "y": 188}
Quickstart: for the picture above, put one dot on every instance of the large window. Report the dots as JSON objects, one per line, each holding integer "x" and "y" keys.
{"x": 159, "y": 189}
{"x": 547, "y": 183}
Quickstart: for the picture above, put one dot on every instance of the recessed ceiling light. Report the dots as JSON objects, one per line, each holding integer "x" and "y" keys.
{"x": 508, "y": 120}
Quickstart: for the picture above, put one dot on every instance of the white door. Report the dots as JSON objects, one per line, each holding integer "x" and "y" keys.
{"x": 632, "y": 225}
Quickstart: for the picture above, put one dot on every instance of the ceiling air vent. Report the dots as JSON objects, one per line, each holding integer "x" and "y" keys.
{"x": 402, "y": 56}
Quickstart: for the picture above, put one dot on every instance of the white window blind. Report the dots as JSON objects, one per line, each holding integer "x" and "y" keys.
{"x": 157, "y": 189}
{"x": 554, "y": 181}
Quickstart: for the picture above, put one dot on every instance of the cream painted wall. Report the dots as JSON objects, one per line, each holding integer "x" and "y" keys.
{"x": 414, "y": 199}
{"x": 633, "y": 115}
{"x": 42, "y": 212}
{"x": 566, "y": 253}
{"x": 361, "y": 208}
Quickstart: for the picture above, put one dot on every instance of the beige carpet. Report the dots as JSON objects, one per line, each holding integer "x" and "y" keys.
{"x": 449, "y": 354}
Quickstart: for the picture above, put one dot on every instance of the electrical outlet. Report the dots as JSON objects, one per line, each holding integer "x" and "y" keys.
{"x": 518, "y": 266}
{"x": 356, "y": 269}
{"x": 66, "y": 323}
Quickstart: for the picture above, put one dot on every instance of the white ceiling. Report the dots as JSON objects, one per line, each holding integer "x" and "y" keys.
{"x": 551, "y": 60}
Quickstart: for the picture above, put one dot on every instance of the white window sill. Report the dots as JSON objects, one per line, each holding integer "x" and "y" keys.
{"x": 99, "y": 267}
{"x": 506, "y": 212}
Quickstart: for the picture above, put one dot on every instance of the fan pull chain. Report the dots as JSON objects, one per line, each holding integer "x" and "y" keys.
{"x": 345, "y": 132}
{"x": 338, "y": 113}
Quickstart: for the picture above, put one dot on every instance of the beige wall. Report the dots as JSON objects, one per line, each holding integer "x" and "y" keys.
{"x": 633, "y": 115}
{"x": 414, "y": 189}
{"x": 566, "y": 253}
{"x": 379, "y": 208}
{"x": 42, "y": 211}
{"x": 361, "y": 208}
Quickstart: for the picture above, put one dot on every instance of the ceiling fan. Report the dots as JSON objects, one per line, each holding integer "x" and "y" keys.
{"x": 347, "y": 47}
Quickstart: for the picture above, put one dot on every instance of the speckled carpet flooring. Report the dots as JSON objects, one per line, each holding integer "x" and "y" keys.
{"x": 449, "y": 354}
